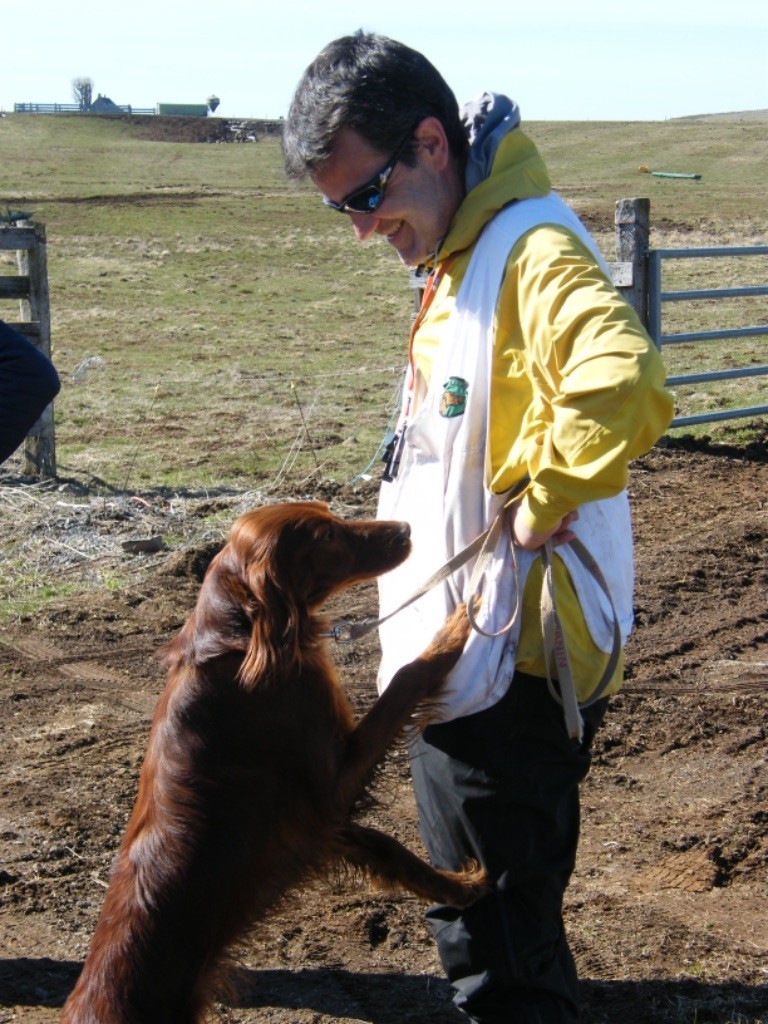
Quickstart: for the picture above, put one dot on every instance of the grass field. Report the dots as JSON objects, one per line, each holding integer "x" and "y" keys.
{"x": 215, "y": 327}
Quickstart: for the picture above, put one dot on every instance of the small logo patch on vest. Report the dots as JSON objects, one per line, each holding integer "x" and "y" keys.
{"x": 454, "y": 400}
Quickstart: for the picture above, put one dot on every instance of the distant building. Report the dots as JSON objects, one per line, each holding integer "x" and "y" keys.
{"x": 182, "y": 109}
{"x": 104, "y": 105}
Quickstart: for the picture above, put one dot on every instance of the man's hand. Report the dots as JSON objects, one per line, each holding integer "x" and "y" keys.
{"x": 529, "y": 540}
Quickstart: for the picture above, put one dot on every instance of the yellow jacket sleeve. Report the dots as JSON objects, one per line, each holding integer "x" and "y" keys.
{"x": 578, "y": 386}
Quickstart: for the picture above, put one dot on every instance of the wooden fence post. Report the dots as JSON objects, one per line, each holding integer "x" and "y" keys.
{"x": 39, "y": 453}
{"x": 630, "y": 274}
{"x": 31, "y": 288}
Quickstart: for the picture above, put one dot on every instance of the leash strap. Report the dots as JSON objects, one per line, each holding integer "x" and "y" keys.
{"x": 555, "y": 646}
{"x": 346, "y": 632}
{"x": 556, "y": 649}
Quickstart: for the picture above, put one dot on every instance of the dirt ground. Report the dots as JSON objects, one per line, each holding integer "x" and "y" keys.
{"x": 667, "y": 909}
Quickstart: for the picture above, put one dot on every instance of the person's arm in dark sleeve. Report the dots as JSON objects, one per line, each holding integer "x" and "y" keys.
{"x": 28, "y": 382}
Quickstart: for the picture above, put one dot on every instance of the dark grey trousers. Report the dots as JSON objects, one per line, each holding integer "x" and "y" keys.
{"x": 502, "y": 787}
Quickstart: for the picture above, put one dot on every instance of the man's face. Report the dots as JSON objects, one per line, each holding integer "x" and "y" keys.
{"x": 418, "y": 202}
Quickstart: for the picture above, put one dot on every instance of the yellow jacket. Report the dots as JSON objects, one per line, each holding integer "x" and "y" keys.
{"x": 577, "y": 385}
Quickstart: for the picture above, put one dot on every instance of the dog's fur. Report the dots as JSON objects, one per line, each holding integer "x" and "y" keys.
{"x": 254, "y": 768}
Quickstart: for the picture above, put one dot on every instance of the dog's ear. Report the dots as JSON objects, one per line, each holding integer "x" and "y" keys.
{"x": 277, "y": 622}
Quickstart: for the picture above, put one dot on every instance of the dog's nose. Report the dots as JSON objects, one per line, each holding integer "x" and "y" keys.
{"x": 405, "y": 529}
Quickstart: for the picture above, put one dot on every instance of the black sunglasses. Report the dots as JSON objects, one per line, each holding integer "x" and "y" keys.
{"x": 369, "y": 197}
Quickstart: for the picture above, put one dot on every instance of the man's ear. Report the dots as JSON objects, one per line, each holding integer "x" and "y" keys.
{"x": 431, "y": 139}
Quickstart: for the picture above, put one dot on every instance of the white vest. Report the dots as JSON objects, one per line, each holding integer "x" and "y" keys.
{"x": 440, "y": 491}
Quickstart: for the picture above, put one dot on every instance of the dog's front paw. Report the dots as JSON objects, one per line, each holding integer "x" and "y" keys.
{"x": 425, "y": 676}
{"x": 465, "y": 887}
{"x": 448, "y": 643}
{"x": 442, "y": 653}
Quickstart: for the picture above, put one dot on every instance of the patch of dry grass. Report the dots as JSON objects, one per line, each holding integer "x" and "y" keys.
{"x": 216, "y": 327}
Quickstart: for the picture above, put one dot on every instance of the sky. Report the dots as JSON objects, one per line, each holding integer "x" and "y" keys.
{"x": 590, "y": 60}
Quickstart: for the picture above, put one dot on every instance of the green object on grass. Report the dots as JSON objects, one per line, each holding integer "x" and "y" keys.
{"x": 674, "y": 174}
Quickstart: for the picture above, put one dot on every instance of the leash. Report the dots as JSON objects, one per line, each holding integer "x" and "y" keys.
{"x": 346, "y": 632}
{"x": 555, "y": 647}
{"x": 553, "y": 635}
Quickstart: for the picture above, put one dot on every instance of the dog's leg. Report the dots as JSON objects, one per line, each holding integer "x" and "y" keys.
{"x": 421, "y": 679}
{"x": 393, "y": 867}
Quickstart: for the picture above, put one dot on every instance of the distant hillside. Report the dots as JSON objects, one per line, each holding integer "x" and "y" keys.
{"x": 736, "y": 115}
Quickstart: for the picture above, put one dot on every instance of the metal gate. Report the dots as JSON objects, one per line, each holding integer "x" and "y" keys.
{"x": 656, "y": 296}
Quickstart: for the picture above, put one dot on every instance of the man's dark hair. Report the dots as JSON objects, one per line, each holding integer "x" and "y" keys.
{"x": 380, "y": 88}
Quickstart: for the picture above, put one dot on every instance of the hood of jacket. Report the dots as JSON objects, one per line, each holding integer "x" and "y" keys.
{"x": 503, "y": 165}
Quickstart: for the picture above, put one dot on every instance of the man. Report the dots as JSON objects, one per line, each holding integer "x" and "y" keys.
{"x": 531, "y": 385}
{"x": 28, "y": 382}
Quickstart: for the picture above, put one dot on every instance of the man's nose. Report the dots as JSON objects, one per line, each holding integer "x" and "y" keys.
{"x": 364, "y": 225}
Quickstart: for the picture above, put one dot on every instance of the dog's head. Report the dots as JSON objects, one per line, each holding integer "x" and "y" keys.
{"x": 308, "y": 553}
{"x": 280, "y": 563}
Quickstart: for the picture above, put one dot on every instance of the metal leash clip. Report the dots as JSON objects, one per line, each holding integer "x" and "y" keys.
{"x": 346, "y": 631}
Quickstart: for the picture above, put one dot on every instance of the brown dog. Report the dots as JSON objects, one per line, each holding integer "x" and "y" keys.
{"x": 254, "y": 768}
